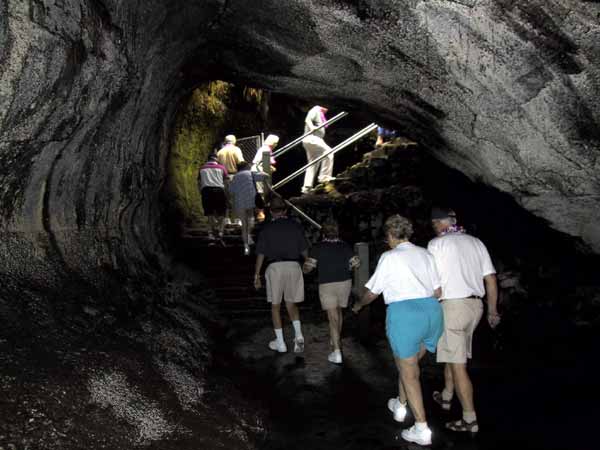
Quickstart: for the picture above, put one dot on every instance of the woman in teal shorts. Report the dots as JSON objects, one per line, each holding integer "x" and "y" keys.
{"x": 407, "y": 277}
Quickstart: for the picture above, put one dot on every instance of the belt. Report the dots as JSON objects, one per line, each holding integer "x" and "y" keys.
{"x": 282, "y": 260}
{"x": 473, "y": 297}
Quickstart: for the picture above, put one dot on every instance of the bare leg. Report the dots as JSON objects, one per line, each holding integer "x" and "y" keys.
{"x": 448, "y": 380}
{"x": 463, "y": 385}
{"x": 293, "y": 311}
{"x": 244, "y": 218}
{"x": 401, "y": 391}
{"x": 250, "y": 222}
{"x": 334, "y": 327}
{"x": 276, "y": 315}
{"x": 409, "y": 371}
{"x": 220, "y": 225}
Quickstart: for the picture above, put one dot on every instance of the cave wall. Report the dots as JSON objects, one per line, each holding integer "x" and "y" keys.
{"x": 88, "y": 90}
{"x": 504, "y": 91}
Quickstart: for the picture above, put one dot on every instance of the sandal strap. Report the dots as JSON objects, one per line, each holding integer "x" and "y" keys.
{"x": 461, "y": 425}
{"x": 439, "y": 399}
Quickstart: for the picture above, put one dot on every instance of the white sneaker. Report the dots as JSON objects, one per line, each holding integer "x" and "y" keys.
{"x": 238, "y": 222}
{"x": 246, "y": 250}
{"x": 397, "y": 408}
{"x": 278, "y": 346}
{"x": 227, "y": 221}
{"x": 335, "y": 357}
{"x": 422, "y": 437}
{"x": 298, "y": 345}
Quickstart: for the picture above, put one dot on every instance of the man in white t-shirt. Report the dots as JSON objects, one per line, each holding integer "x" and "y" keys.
{"x": 467, "y": 275}
{"x": 407, "y": 277}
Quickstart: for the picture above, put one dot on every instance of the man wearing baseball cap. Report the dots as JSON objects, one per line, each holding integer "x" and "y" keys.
{"x": 467, "y": 276}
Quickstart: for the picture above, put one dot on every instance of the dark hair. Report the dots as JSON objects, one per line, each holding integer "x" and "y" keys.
{"x": 330, "y": 229}
{"x": 398, "y": 227}
{"x": 277, "y": 205}
{"x": 243, "y": 165}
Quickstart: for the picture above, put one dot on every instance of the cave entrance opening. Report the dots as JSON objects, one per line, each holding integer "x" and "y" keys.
{"x": 217, "y": 108}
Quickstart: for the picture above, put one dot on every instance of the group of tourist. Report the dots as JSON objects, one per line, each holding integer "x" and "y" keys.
{"x": 229, "y": 185}
{"x": 222, "y": 197}
{"x": 433, "y": 296}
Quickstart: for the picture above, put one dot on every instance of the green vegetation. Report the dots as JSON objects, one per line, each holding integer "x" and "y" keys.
{"x": 212, "y": 110}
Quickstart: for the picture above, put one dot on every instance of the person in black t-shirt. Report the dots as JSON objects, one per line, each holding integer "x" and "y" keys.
{"x": 282, "y": 243}
{"x": 334, "y": 260}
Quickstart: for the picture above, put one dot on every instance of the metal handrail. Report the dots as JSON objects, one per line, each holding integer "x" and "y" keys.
{"x": 335, "y": 149}
{"x": 298, "y": 210}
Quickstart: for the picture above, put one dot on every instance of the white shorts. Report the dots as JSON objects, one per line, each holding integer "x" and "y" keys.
{"x": 461, "y": 317}
{"x": 284, "y": 281}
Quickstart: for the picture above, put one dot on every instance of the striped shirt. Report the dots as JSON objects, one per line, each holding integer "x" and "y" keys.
{"x": 212, "y": 174}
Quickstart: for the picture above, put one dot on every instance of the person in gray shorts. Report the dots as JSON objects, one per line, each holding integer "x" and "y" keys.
{"x": 283, "y": 245}
{"x": 334, "y": 260}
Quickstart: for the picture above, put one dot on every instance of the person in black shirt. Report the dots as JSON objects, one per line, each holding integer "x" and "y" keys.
{"x": 282, "y": 243}
{"x": 334, "y": 260}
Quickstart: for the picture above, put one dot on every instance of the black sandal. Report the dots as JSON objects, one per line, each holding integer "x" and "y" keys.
{"x": 439, "y": 399}
{"x": 461, "y": 426}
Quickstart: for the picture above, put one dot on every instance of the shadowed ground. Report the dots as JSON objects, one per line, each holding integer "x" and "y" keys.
{"x": 534, "y": 384}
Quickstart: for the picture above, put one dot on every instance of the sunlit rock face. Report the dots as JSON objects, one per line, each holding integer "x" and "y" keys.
{"x": 505, "y": 91}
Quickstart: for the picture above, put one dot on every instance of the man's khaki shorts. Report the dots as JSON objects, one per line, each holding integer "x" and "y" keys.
{"x": 284, "y": 281}
{"x": 461, "y": 316}
{"x": 335, "y": 295}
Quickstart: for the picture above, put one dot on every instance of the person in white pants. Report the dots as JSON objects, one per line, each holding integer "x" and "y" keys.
{"x": 315, "y": 146}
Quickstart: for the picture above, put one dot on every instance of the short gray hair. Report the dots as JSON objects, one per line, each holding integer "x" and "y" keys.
{"x": 398, "y": 227}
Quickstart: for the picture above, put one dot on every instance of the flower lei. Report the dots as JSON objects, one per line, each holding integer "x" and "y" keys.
{"x": 453, "y": 229}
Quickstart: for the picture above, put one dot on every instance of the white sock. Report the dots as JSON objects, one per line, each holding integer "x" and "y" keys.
{"x": 447, "y": 396}
{"x": 421, "y": 426}
{"x": 279, "y": 335}
{"x": 297, "y": 329}
{"x": 469, "y": 416}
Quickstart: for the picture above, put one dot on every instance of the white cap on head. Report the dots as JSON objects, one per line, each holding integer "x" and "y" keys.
{"x": 272, "y": 139}
{"x": 230, "y": 139}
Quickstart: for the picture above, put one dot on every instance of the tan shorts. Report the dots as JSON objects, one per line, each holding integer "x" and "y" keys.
{"x": 284, "y": 281}
{"x": 461, "y": 316}
{"x": 335, "y": 295}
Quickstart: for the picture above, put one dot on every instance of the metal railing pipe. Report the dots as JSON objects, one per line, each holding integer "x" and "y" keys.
{"x": 334, "y": 150}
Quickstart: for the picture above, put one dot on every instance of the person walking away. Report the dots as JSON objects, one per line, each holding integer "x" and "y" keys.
{"x": 407, "y": 277}
{"x": 269, "y": 145}
{"x": 212, "y": 182}
{"x": 315, "y": 146}
{"x": 230, "y": 156}
{"x": 334, "y": 260}
{"x": 467, "y": 275}
{"x": 243, "y": 191}
{"x": 282, "y": 243}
